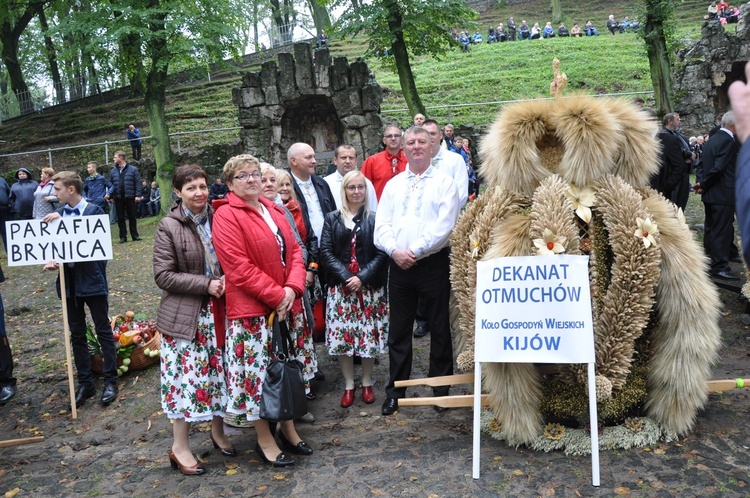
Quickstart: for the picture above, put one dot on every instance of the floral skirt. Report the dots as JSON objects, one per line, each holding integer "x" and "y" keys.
{"x": 354, "y": 325}
{"x": 193, "y": 384}
{"x": 248, "y": 354}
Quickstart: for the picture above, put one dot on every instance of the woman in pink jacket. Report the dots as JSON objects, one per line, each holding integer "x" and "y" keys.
{"x": 264, "y": 272}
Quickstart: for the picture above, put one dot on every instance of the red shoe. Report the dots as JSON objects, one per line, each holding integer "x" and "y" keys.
{"x": 368, "y": 396}
{"x": 347, "y": 399}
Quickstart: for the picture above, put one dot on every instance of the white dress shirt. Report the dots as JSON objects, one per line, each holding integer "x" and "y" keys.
{"x": 417, "y": 212}
{"x": 314, "y": 211}
{"x": 334, "y": 181}
{"x": 453, "y": 165}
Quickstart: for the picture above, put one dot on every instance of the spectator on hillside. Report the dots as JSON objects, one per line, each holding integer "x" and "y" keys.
{"x": 322, "y": 39}
{"x": 454, "y": 34}
{"x": 590, "y": 29}
{"x": 733, "y": 16}
{"x": 713, "y": 11}
{"x": 511, "y": 29}
{"x": 612, "y": 25}
{"x": 491, "y": 35}
{"x": 464, "y": 41}
{"x": 536, "y": 31}
{"x": 722, "y": 7}
{"x": 562, "y": 31}
{"x": 549, "y": 31}
{"x": 476, "y": 38}
{"x": 501, "y": 33}
{"x": 21, "y": 198}
{"x": 142, "y": 206}
{"x": 625, "y": 25}
{"x": 39, "y": 106}
{"x": 575, "y": 31}
{"x": 134, "y": 135}
{"x": 524, "y": 32}
{"x": 218, "y": 190}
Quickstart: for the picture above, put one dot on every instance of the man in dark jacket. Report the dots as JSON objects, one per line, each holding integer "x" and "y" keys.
{"x": 739, "y": 94}
{"x": 126, "y": 190}
{"x": 134, "y": 135}
{"x": 673, "y": 166}
{"x": 218, "y": 190}
{"x": 716, "y": 178}
{"x": 96, "y": 186}
{"x": 85, "y": 284}
{"x": 4, "y": 209}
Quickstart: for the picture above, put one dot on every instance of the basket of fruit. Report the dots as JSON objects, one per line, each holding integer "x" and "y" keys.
{"x": 137, "y": 341}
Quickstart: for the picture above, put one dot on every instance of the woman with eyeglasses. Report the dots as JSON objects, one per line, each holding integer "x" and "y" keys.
{"x": 355, "y": 272}
{"x": 263, "y": 273}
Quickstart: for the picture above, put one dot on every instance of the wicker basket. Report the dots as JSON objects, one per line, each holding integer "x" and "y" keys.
{"x": 138, "y": 360}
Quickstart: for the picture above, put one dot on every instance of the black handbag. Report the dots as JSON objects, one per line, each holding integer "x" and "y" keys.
{"x": 283, "y": 395}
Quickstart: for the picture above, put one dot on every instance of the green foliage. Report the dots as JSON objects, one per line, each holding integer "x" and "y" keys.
{"x": 425, "y": 26}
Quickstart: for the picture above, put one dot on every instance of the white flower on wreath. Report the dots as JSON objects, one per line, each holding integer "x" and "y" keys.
{"x": 582, "y": 199}
{"x": 646, "y": 231}
{"x": 550, "y": 243}
{"x": 474, "y": 246}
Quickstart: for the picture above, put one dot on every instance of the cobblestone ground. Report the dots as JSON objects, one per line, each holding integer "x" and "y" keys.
{"x": 121, "y": 449}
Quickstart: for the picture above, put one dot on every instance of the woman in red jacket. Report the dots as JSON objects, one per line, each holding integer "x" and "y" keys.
{"x": 264, "y": 272}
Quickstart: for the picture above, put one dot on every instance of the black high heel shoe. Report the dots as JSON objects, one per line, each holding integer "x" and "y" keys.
{"x": 195, "y": 470}
{"x": 301, "y": 448}
{"x": 283, "y": 460}
{"x": 230, "y": 452}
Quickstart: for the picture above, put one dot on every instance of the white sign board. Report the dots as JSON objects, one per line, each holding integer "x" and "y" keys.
{"x": 534, "y": 309}
{"x": 65, "y": 240}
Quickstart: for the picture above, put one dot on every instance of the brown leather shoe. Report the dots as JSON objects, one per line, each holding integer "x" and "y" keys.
{"x": 195, "y": 470}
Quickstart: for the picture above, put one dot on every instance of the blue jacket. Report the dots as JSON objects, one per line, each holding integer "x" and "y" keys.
{"x": 742, "y": 193}
{"x": 21, "y": 198}
{"x": 4, "y": 194}
{"x": 95, "y": 188}
{"x": 132, "y": 182}
{"x": 134, "y": 136}
{"x": 89, "y": 278}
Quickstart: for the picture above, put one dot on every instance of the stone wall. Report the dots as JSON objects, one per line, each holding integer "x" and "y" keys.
{"x": 306, "y": 97}
{"x": 704, "y": 71}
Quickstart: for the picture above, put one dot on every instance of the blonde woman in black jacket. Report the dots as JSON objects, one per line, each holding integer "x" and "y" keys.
{"x": 355, "y": 273}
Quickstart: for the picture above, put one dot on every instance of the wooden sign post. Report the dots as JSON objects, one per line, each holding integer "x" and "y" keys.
{"x": 65, "y": 240}
{"x": 534, "y": 309}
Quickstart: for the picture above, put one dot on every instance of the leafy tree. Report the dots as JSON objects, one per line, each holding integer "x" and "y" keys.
{"x": 14, "y": 18}
{"x": 556, "y": 12}
{"x": 319, "y": 14}
{"x": 656, "y": 30}
{"x": 406, "y": 28}
{"x": 158, "y": 34}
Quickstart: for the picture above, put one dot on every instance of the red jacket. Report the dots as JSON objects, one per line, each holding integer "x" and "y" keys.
{"x": 249, "y": 253}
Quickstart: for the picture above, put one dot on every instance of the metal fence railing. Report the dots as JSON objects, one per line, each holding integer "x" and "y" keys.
{"x": 113, "y": 143}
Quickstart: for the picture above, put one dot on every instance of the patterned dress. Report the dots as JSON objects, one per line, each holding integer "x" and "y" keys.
{"x": 192, "y": 374}
{"x": 248, "y": 354}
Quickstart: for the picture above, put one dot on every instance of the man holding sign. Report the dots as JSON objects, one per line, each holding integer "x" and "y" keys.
{"x": 86, "y": 283}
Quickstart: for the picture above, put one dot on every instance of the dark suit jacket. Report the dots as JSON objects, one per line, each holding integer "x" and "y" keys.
{"x": 718, "y": 169}
{"x": 672, "y": 167}
{"x": 327, "y": 204}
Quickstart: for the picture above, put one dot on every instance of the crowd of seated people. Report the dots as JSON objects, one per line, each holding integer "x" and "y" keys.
{"x": 508, "y": 32}
{"x": 727, "y": 14}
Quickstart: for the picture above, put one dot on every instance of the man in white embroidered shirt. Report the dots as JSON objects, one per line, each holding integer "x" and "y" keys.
{"x": 345, "y": 160}
{"x": 415, "y": 217}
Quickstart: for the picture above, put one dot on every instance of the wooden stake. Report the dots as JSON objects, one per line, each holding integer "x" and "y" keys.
{"x": 66, "y": 332}
{"x": 18, "y": 442}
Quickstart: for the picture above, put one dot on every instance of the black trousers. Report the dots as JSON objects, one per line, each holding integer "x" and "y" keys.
{"x": 136, "y": 152}
{"x": 427, "y": 281}
{"x": 718, "y": 236}
{"x": 126, "y": 207}
{"x": 99, "y": 308}
{"x": 6, "y": 357}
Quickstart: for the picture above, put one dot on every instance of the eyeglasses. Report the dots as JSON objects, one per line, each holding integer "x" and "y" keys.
{"x": 392, "y": 136}
{"x": 354, "y": 188}
{"x": 243, "y": 177}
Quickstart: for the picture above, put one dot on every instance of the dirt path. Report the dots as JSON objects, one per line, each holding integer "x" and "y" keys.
{"x": 121, "y": 449}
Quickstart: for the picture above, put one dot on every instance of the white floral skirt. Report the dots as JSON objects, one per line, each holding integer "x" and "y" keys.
{"x": 193, "y": 380}
{"x": 248, "y": 354}
{"x": 356, "y": 323}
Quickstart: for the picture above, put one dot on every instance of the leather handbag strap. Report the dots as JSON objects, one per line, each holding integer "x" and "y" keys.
{"x": 281, "y": 343}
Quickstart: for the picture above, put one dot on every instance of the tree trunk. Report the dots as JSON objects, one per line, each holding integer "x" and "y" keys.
{"x": 9, "y": 36}
{"x": 51, "y": 58}
{"x": 255, "y": 27}
{"x": 320, "y": 16}
{"x": 355, "y": 4}
{"x": 658, "y": 60}
{"x": 556, "y": 12}
{"x": 283, "y": 23}
{"x": 401, "y": 54}
{"x": 130, "y": 55}
{"x": 154, "y": 101}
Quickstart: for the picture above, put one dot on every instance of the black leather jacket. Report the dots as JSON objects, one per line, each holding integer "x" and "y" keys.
{"x": 335, "y": 251}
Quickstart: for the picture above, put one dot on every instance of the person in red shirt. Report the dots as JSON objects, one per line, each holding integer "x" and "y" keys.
{"x": 381, "y": 167}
